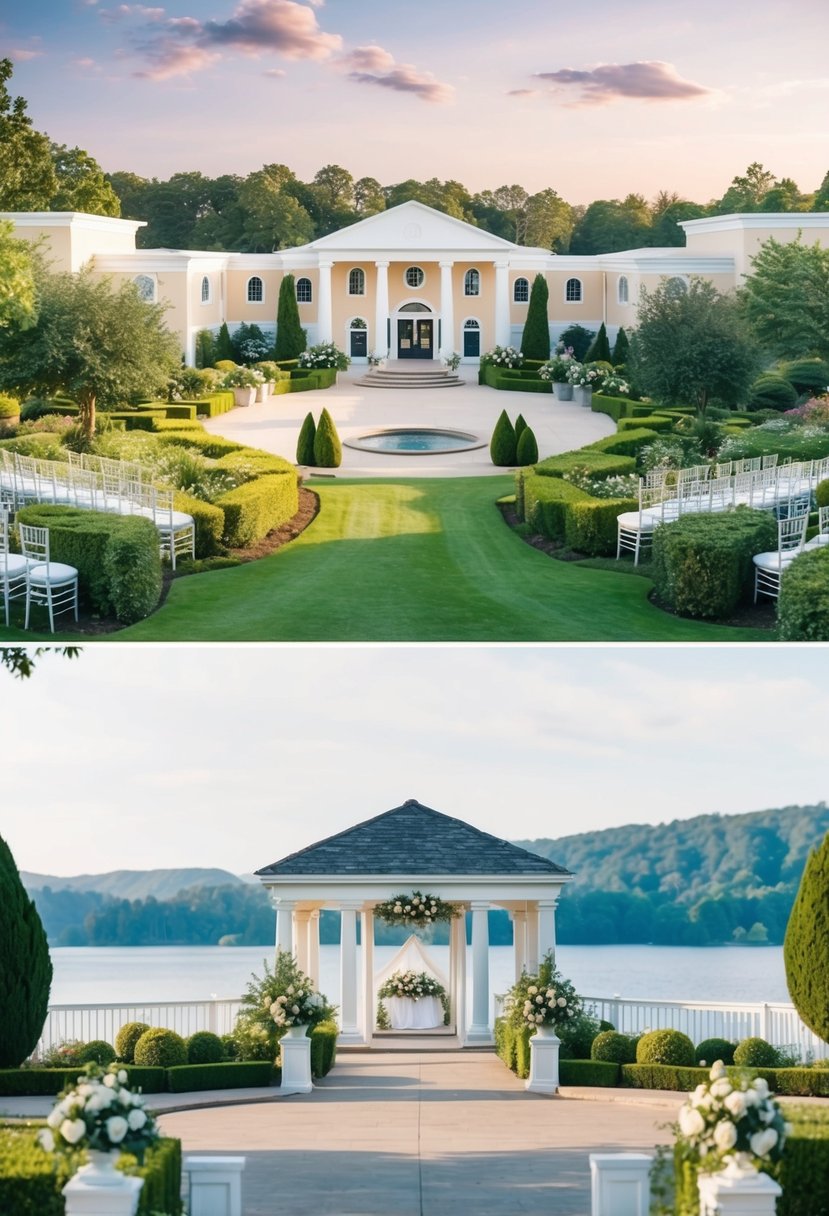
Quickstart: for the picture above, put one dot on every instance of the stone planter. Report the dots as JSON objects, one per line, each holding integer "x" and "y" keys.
{"x": 244, "y": 396}
{"x": 544, "y": 1048}
{"x": 263, "y": 391}
{"x": 562, "y": 392}
{"x": 296, "y": 1061}
{"x": 738, "y": 1190}
{"x": 583, "y": 395}
{"x": 101, "y": 1171}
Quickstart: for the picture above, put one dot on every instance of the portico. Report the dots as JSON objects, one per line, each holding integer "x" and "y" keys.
{"x": 413, "y": 847}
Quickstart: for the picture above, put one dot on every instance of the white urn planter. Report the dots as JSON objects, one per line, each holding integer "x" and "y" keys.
{"x": 296, "y": 1061}
{"x": 244, "y": 396}
{"x": 92, "y": 1191}
{"x": 544, "y": 1049}
{"x": 100, "y": 1170}
{"x": 738, "y": 1190}
{"x": 562, "y": 392}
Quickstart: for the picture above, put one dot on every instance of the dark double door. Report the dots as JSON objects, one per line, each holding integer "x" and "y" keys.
{"x": 415, "y": 338}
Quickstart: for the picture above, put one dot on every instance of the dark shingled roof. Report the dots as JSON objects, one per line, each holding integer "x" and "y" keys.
{"x": 413, "y": 839}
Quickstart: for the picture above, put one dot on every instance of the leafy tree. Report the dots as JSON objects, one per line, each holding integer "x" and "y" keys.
{"x": 785, "y": 195}
{"x": 81, "y": 185}
{"x": 579, "y": 338}
{"x": 666, "y": 213}
{"x": 746, "y": 193}
{"x": 548, "y": 222}
{"x": 786, "y": 298}
{"x": 223, "y": 348}
{"x": 132, "y": 192}
{"x": 450, "y": 197}
{"x": 610, "y": 225}
{"x": 20, "y": 661}
{"x": 503, "y": 212}
{"x": 17, "y": 280}
{"x": 691, "y": 345}
{"x": 272, "y": 216}
{"x": 328, "y": 452}
{"x": 821, "y": 199}
{"x": 291, "y": 338}
{"x": 305, "y": 441}
{"x": 205, "y": 348}
{"x": 331, "y": 199}
{"x": 27, "y": 172}
{"x": 172, "y": 209}
{"x": 25, "y": 967}
{"x": 599, "y": 348}
{"x": 620, "y": 349}
{"x": 535, "y": 340}
{"x": 368, "y": 196}
{"x": 806, "y": 946}
{"x": 94, "y": 344}
{"x": 502, "y": 444}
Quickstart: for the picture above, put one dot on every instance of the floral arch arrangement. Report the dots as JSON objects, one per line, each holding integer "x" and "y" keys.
{"x": 416, "y": 910}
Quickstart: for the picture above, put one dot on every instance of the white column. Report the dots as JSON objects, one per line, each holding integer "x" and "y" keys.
{"x": 314, "y": 946}
{"x": 547, "y": 928}
{"x": 457, "y": 940}
{"x": 350, "y": 1030}
{"x": 620, "y": 1184}
{"x": 480, "y": 1030}
{"x": 369, "y": 1002}
{"x": 325, "y": 324}
{"x": 533, "y": 958}
{"x": 519, "y": 941}
{"x": 447, "y": 311}
{"x": 284, "y": 923}
{"x": 301, "y": 919}
{"x": 381, "y": 311}
{"x": 502, "y": 323}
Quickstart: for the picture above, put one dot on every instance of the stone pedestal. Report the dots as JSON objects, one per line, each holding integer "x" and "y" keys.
{"x": 620, "y": 1184}
{"x": 85, "y": 1200}
{"x": 296, "y": 1061}
{"x": 738, "y": 1193}
{"x": 544, "y": 1048}
{"x": 215, "y": 1185}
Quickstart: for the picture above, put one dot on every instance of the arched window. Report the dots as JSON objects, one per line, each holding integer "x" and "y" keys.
{"x": 304, "y": 294}
{"x": 572, "y": 292}
{"x": 677, "y": 286}
{"x": 472, "y": 283}
{"x": 357, "y": 282}
{"x": 145, "y": 287}
{"x": 256, "y": 290}
{"x": 414, "y": 277}
{"x": 624, "y": 293}
{"x": 521, "y": 291}
{"x": 205, "y": 290}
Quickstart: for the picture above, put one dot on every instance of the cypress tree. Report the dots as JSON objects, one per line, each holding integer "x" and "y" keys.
{"x": 620, "y": 349}
{"x": 204, "y": 348}
{"x": 25, "y": 967}
{"x": 290, "y": 336}
{"x": 502, "y": 443}
{"x": 305, "y": 442}
{"x": 599, "y": 348}
{"x": 520, "y": 425}
{"x": 223, "y": 348}
{"x": 328, "y": 451}
{"x": 527, "y": 448}
{"x": 535, "y": 340}
{"x": 806, "y": 945}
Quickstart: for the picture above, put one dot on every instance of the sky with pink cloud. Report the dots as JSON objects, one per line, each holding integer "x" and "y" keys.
{"x": 595, "y": 100}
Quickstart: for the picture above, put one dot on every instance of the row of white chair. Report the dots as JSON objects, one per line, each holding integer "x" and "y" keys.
{"x": 32, "y": 574}
{"x": 791, "y": 542}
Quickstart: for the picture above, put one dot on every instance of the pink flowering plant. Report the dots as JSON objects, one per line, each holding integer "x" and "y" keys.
{"x": 725, "y": 1116}
{"x": 542, "y": 998}
{"x": 100, "y": 1112}
{"x": 416, "y": 909}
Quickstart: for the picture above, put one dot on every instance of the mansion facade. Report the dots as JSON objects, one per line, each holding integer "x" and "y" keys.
{"x": 410, "y": 282}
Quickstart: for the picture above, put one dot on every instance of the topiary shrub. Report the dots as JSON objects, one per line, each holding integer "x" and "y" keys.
{"x": 755, "y": 1053}
{"x": 526, "y": 449}
{"x": 160, "y": 1048}
{"x": 807, "y": 375}
{"x": 520, "y": 425}
{"x": 502, "y": 444}
{"x": 621, "y": 349}
{"x": 290, "y": 336}
{"x": 535, "y": 339}
{"x": 328, "y": 451}
{"x": 710, "y": 1050}
{"x": 772, "y": 392}
{"x": 806, "y": 945}
{"x": 230, "y": 1047}
{"x": 803, "y": 606}
{"x": 599, "y": 348}
{"x": 665, "y": 1047}
{"x": 25, "y": 967}
{"x": 204, "y": 1047}
{"x": 223, "y": 351}
{"x": 127, "y": 1037}
{"x": 305, "y": 441}
{"x": 613, "y": 1047}
{"x": 96, "y": 1051}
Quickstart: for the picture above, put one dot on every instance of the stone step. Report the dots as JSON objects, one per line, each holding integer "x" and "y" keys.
{"x": 410, "y": 379}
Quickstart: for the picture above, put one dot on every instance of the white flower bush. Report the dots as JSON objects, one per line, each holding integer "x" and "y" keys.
{"x": 100, "y": 1112}
{"x": 412, "y": 984}
{"x": 724, "y": 1116}
{"x": 503, "y": 356}
{"x": 542, "y": 999}
{"x": 584, "y": 375}
{"x": 615, "y": 385}
{"x": 324, "y": 354}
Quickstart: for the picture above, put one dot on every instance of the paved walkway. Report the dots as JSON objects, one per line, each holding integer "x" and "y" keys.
{"x": 422, "y": 1134}
{"x": 274, "y": 425}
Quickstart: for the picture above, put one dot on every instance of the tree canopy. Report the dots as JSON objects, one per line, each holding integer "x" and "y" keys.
{"x": 786, "y": 298}
{"x": 17, "y": 280}
{"x": 25, "y": 967}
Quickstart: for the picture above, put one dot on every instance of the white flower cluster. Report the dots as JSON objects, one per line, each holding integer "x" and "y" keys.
{"x": 584, "y": 374}
{"x": 723, "y": 1116}
{"x": 412, "y": 984}
{"x": 296, "y": 1006}
{"x": 544, "y": 1005}
{"x": 614, "y": 385}
{"x": 102, "y": 1113}
{"x": 504, "y": 356}
{"x": 415, "y": 909}
{"x": 556, "y": 368}
{"x": 325, "y": 354}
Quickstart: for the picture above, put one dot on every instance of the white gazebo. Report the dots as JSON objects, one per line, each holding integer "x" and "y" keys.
{"x": 413, "y": 847}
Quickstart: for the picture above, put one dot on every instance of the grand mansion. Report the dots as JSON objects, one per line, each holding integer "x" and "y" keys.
{"x": 410, "y": 282}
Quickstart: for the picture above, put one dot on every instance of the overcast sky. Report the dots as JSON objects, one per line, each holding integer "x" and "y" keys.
{"x": 150, "y": 757}
{"x": 595, "y": 99}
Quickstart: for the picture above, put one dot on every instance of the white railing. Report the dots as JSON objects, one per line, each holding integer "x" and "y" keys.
{"x": 87, "y": 1022}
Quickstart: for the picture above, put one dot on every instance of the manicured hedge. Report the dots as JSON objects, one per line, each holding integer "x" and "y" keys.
{"x": 546, "y": 502}
{"x": 656, "y": 422}
{"x": 186, "y": 1078}
{"x": 512, "y": 1044}
{"x": 323, "y": 1048}
{"x": 513, "y": 380}
{"x": 591, "y": 526}
{"x": 702, "y": 564}
{"x": 615, "y": 407}
{"x": 252, "y": 510}
{"x": 215, "y": 403}
{"x": 790, "y": 1082}
{"x": 212, "y": 446}
{"x": 588, "y": 1072}
{"x": 116, "y": 556}
{"x": 148, "y": 1080}
{"x": 590, "y": 460}
{"x": 624, "y": 443}
{"x": 19, "y": 1082}
{"x": 803, "y": 606}
{"x": 161, "y": 1172}
{"x": 208, "y": 519}
{"x": 160, "y": 425}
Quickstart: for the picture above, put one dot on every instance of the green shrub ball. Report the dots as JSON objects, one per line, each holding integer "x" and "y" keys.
{"x": 204, "y": 1047}
{"x": 613, "y": 1048}
{"x": 665, "y": 1047}
{"x": 711, "y": 1050}
{"x": 755, "y": 1053}
{"x": 98, "y": 1051}
{"x": 126, "y": 1038}
{"x": 160, "y": 1049}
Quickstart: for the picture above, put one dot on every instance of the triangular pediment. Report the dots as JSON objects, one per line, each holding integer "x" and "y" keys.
{"x": 411, "y": 227}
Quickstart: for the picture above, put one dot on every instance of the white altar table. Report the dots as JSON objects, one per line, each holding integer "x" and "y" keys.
{"x": 406, "y": 1014}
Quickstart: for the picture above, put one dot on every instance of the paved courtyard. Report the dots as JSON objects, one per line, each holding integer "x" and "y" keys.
{"x": 423, "y": 1134}
{"x": 274, "y": 426}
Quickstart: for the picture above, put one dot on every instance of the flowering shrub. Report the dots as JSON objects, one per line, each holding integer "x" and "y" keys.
{"x": 412, "y": 984}
{"x": 723, "y": 1116}
{"x": 324, "y": 354}
{"x": 542, "y": 999}
{"x": 615, "y": 385}
{"x": 100, "y": 1112}
{"x": 268, "y": 1008}
{"x": 242, "y": 377}
{"x": 556, "y": 369}
{"x": 621, "y": 486}
{"x": 585, "y": 375}
{"x": 503, "y": 356}
{"x": 415, "y": 909}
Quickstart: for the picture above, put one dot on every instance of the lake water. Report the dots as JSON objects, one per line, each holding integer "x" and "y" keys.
{"x": 188, "y": 973}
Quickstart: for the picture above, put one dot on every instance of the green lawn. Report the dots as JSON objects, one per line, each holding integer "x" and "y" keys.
{"x": 421, "y": 560}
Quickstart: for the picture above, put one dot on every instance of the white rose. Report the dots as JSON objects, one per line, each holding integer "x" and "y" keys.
{"x": 96, "y": 1103}
{"x": 123, "y": 1076}
{"x": 539, "y": 1000}
{"x": 721, "y": 1088}
{"x": 751, "y": 1096}
{"x": 109, "y": 1080}
{"x": 136, "y": 1120}
{"x": 691, "y": 1121}
{"x": 761, "y": 1086}
{"x": 717, "y": 1070}
{"x": 539, "y": 1017}
{"x": 117, "y": 1127}
{"x": 125, "y": 1097}
{"x": 735, "y": 1104}
{"x": 532, "y": 990}
{"x": 763, "y": 1142}
{"x": 295, "y": 1009}
{"x": 561, "y": 1002}
{"x": 725, "y": 1135}
{"x": 84, "y": 1090}
{"x": 699, "y": 1093}
{"x": 46, "y": 1140}
{"x": 73, "y": 1130}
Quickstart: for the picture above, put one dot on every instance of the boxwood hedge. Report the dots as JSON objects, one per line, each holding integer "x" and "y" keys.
{"x": 803, "y": 606}
{"x": 236, "y": 1074}
{"x": 252, "y": 510}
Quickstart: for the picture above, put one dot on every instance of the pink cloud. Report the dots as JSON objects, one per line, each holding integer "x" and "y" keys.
{"x": 169, "y": 58}
{"x": 374, "y": 65}
{"x": 111, "y": 15}
{"x": 647, "y": 80}
{"x": 21, "y": 54}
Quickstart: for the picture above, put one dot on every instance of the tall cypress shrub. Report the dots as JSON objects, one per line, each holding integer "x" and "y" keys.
{"x": 599, "y": 348}
{"x": 502, "y": 444}
{"x": 223, "y": 348}
{"x": 620, "y": 349}
{"x": 535, "y": 340}
{"x": 328, "y": 451}
{"x": 205, "y": 344}
{"x": 806, "y": 945}
{"x": 25, "y": 967}
{"x": 305, "y": 442}
{"x": 527, "y": 448}
{"x": 290, "y": 336}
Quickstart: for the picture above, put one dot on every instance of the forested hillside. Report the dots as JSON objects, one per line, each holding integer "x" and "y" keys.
{"x": 133, "y": 884}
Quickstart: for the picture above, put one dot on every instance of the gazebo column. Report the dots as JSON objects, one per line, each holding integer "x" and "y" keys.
{"x": 367, "y": 936}
{"x": 457, "y": 959}
{"x": 547, "y": 928}
{"x": 349, "y": 987}
{"x": 532, "y": 938}
{"x": 480, "y": 1030}
{"x": 314, "y": 947}
{"x": 519, "y": 941}
{"x": 301, "y": 918}
{"x": 284, "y": 909}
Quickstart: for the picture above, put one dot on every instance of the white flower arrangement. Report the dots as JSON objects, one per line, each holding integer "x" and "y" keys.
{"x": 298, "y": 1005}
{"x": 324, "y": 354}
{"x": 411, "y": 984}
{"x": 416, "y": 909}
{"x": 544, "y": 998}
{"x": 615, "y": 385}
{"x": 556, "y": 368}
{"x": 724, "y": 1116}
{"x": 584, "y": 375}
{"x": 100, "y": 1112}
{"x": 503, "y": 356}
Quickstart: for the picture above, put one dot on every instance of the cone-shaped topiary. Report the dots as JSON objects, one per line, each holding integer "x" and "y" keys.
{"x": 305, "y": 442}
{"x": 806, "y": 945}
{"x": 502, "y": 444}
{"x": 290, "y": 336}
{"x": 620, "y": 349}
{"x": 223, "y": 346}
{"x": 535, "y": 340}
{"x": 599, "y": 348}
{"x": 25, "y": 967}
{"x": 526, "y": 450}
{"x": 520, "y": 425}
{"x": 328, "y": 451}
{"x": 205, "y": 348}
